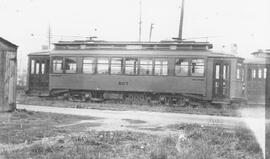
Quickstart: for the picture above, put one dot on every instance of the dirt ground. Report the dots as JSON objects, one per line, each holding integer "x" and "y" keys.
{"x": 31, "y": 134}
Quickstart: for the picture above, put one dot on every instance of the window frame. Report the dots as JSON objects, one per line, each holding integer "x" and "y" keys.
{"x": 62, "y": 64}
{"x": 32, "y": 66}
{"x": 94, "y": 64}
{"x": 254, "y": 73}
{"x": 135, "y": 66}
{"x": 188, "y": 66}
{"x": 240, "y": 71}
{"x": 260, "y": 73}
{"x": 43, "y": 67}
{"x": 122, "y": 65}
{"x": 161, "y": 65}
{"x": 97, "y": 63}
{"x": 152, "y": 66}
{"x": 264, "y": 73}
{"x": 204, "y": 66}
{"x": 37, "y": 67}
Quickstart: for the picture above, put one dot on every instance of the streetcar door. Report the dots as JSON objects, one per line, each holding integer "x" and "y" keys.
{"x": 221, "y": 80}
{"x": 44, "y": 73}
{"x": 39, "y": 74}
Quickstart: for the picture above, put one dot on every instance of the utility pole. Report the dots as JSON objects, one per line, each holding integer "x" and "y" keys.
{"x": 180, "y": 38}
{"x": 140, "y": 22}
{"x": 49, "y": 37}
{"x": 150, "y": 34}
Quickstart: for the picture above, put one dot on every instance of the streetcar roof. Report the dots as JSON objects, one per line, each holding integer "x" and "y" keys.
{"x": 39, "y": 53}
{"x": 140, "y": 53}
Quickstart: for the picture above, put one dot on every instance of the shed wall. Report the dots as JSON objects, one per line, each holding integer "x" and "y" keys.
{"x": 2, "y": 67}
{"x": 267, "y": 91}
{"x": 8, "y": 77}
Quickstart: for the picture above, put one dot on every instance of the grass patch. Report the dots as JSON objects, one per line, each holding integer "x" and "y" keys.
{"x": 197, "y": 143}
{"x": 24, "y": 126}
{"x": 221, "y": 142}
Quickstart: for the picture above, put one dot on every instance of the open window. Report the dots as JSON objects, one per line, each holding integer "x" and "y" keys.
{"x": 181, "y": 67}
{"x": 70, "y": 65}
{"x": 197, "y": 67}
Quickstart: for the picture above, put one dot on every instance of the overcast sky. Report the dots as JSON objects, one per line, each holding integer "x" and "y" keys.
{"x": 244, "y": 22}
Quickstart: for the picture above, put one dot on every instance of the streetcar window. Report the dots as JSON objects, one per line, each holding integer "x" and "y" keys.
{"x": 259, "y": 73}
{"x": 131, "y": 66}
{"x": 161, "y": 67}
{"x": 249, "y": 73}
{"x": 197, "y": 67}
{"x": 116, "y": 65}
{"x": 264, "y": 73}
{"x": 225, "y": 71}
{"x": 238, "y": 71}
{"x": 32, "y": 66}
{"x": 243, "y": 75}
{"x": 37, "y": 67}
{"x": 57, "y": 65}
{"x": 253, "y": 73}
{"x": 103, "y": 66}
{"x": 146, "y": 66}
{"x": 70, "y": 65}
{"x": 42, "y": 68}
{"x": 89, "y": 65}
{"x": 181, "y": 67}
{"x": 217, "y": 71}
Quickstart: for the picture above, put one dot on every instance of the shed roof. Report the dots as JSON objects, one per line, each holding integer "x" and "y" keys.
{"x": 6, "y": 45}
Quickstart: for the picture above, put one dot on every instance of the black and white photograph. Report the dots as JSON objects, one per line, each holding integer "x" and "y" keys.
{"x": 135, "y": 79}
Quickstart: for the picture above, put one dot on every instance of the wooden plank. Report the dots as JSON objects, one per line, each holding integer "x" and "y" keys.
{"x": 6, "y": 82}
{"x": 1, "y": 79}
{"x": 267, "y": 88}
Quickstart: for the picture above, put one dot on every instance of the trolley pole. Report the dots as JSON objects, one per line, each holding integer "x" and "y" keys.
{"x": 181, "y": 22}
{"x": 140, "y": 22}
{"x": 49, "y": 37}
{"x": 150, "y": 34}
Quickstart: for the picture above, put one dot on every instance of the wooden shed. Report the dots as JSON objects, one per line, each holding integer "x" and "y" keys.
{"x": 8, "y": 75}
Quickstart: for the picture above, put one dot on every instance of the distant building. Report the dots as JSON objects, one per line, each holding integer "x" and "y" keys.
{"x": 8, "y": 75}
